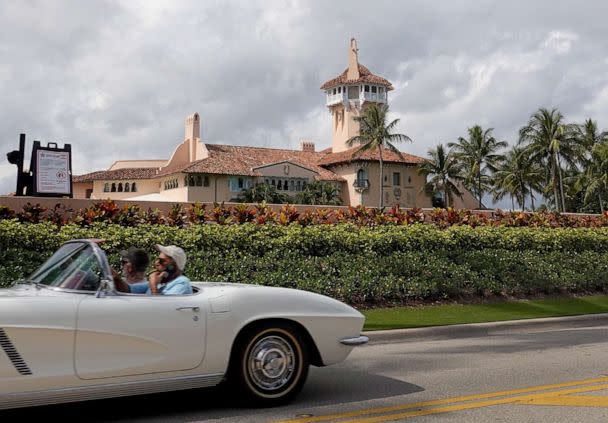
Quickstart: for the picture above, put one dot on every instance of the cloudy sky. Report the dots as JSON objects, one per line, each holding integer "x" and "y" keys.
{"x": 116, "y": 79}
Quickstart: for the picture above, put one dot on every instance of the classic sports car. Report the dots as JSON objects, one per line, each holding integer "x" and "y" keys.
{"x": 68, "y": 335}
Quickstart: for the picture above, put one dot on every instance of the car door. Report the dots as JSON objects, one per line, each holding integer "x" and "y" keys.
{"x": 122, "y": 335}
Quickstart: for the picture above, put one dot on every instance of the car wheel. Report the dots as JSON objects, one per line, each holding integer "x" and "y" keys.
{"x": 270, "y": 365}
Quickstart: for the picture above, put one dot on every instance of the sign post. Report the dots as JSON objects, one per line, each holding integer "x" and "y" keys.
{"x": 50, "y": 173}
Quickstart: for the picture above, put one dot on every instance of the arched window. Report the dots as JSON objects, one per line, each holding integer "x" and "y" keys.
{"x": 361, "y": 174}
{"x": 120, "y": 187}
{"x": 127, "y": 187}
{"x": 106, "y": 187}
{"x": 113, "y": 186}
{"x": 133, "y": 187}
{"x": 285, "y": 185}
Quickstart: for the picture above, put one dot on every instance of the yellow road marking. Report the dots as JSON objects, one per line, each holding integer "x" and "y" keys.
{"x": 572, "y": 401}
{"x": 423, "y": 404}
{"x": 472, "y": 405}
{"x": 479, "y": 404}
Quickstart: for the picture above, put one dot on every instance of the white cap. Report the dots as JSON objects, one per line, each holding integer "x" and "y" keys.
{"x": 176, "y": 253}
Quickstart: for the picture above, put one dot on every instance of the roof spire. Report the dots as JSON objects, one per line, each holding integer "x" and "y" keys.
{"x": 353, "y": 61}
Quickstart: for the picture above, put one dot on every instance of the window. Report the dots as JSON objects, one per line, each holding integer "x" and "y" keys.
{"x": 367, "y": 88}
{"x": 273, "y": 182}
{"x": 106, "y": 187}
{"x": 267, "y": 181}
{"x": 238, "y": 184}
{"x": 199, "y": 180}
{"x": 299, "y": 186}
{"x": 374, "y": 89}
{"x": 186, "y": 180}
{"x": 285, "y": 185}
{"x": 127, "y": 187}
{"x": 279, "y": 185}
{"x": 334, "y": 91}
{"x": 88, "y": 193}
{"x": 292, "y": 186}
{"x": 206, "y": 181}
{"x": 133, "y": 187}
{"x": 353, "y": 92}
{"x": 396, "y": 178}
{"x": 113, "y": 187}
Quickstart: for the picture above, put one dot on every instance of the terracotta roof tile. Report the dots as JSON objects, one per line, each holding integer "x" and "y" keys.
{"x": 243, "y": 161}
{"x": 118, "y": 174}
{"x": 388, "y": 156}
{"x": 238, "y": 160}
{"x": 364, "y": 76}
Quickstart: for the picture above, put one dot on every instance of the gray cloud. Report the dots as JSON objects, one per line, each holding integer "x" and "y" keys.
{"x": 116, "y": 79}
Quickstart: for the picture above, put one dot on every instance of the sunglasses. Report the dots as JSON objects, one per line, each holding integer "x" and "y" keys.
{"x": 161, "y": 260}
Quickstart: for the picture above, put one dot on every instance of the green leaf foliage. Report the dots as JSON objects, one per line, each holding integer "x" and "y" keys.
{"x": 362, "y": 265}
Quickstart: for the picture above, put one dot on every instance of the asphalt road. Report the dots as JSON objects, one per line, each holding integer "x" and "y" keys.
{"x": 541, "y": 371}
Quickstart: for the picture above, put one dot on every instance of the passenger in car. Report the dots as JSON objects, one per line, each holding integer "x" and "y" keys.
{"x": 168, "y": 277}
{"x": 134, "y": 263}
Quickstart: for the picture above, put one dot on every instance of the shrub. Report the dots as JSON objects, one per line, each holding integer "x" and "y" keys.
{"x": 357, "y": 264}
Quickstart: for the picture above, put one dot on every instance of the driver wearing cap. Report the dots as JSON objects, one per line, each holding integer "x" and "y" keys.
{"x": 167, "y": 279}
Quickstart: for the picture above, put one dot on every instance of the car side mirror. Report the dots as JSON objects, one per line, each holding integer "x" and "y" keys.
{"x": 105, "y": 285}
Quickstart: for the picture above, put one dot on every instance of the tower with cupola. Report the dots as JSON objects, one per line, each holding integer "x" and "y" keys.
{"x": 347, "y": 95}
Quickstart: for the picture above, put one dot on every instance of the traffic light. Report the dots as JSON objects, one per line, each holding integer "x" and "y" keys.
{"x": 13, "y": 157}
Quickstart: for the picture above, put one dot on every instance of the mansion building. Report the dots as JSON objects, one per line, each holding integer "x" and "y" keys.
{"x": 205, "y": 172}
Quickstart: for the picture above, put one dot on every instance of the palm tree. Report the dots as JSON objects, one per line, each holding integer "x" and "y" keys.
{"x": 478, "y": 155}
{"x": 548, "y": 141}
{"x": 262, "y": 192}
{"x": 588, "y": 136}
{"x": 593, "y": 143}
{"x": 594, "y": 181}
{"x": 444, "y": 170}
{"x": 518, "y": 177}
{"x": 376, "y": 134}
{"x": 318, "y": 193}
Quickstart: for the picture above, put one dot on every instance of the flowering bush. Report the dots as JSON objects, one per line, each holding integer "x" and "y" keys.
{"x": 187, "y": 215}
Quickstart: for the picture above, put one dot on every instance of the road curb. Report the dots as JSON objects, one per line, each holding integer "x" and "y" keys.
{"x": 484, "y": 329}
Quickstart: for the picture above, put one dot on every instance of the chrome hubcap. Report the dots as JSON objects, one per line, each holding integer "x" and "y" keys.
{"x": 271, "y": 363}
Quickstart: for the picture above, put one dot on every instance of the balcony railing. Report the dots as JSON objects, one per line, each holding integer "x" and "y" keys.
{"x": 335, "y": 99}
{"x": 379, "y": 97}
{"x": 362, "y": 96}
{"x": 361, "y": 184}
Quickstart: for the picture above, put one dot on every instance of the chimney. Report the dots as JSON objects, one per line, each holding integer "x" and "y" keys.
{"x": 307, "y": 145}
{"x": 193, "y": 127}
{"x": 353, "y": 61}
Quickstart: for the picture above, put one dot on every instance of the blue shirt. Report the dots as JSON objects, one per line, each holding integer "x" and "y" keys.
{"x": 178, "y": 286}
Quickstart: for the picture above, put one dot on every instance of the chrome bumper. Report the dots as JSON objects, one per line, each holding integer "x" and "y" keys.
{"x": 359, "y": 340}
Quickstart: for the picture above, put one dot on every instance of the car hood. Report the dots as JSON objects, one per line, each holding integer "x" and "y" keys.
{"x": 26, "y": 290}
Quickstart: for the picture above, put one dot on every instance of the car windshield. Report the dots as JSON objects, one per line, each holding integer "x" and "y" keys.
{"x": 73, "y": 266}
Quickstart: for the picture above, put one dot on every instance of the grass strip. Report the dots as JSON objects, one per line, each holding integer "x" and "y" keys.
{"x": 452, "y": 314}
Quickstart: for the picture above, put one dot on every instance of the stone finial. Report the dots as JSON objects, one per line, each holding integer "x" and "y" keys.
{"x": 353, "y": 61}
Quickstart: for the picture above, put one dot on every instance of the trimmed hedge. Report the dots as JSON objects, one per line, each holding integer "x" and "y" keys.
{"x": 358, "y": 265}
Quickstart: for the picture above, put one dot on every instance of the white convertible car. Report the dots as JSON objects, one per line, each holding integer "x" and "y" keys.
{"x": 68, "y": 335}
